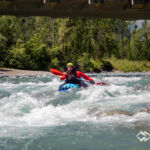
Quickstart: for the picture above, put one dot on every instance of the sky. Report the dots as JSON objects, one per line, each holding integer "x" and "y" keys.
{"x": 139, "y": 23}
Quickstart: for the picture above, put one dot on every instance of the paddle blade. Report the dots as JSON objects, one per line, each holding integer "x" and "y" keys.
{"x": 56, "y": 72}
{"x": 100, "y": 83}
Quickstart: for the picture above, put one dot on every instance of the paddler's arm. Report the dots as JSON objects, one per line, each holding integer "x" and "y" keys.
{"x": 81, "y": 74}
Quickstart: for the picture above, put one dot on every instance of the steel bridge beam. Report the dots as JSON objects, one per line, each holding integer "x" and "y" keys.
{"x": 123, "y": 9}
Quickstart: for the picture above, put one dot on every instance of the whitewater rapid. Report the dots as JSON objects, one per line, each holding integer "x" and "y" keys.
{"x": 34, "y": 115}
{"x": 35, "y": 101}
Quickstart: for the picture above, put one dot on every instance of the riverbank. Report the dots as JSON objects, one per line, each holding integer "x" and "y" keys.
{"x": 129, "y": 66}
{"x": 4, "y": 72}
{"x": 118, "y": 65}
{"x": 15, "y": 72}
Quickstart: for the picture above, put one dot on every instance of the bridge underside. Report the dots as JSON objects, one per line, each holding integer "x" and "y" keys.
{"x": 123, "y": 9}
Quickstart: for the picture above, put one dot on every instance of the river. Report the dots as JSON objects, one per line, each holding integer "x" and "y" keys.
{"x": 35, "y": 116}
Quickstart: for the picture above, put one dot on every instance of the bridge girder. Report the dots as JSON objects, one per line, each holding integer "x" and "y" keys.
{"x": 123, "y": 9}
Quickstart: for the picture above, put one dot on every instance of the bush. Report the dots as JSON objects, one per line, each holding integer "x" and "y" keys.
{"x": 38, "y": 52}
{"x": 129, "y": 66}
{"x": 106, "y": 66}
{"x": 85, "y": 63}
{"x": 96, "y": 65}
{"x": 19, "y": 59}
{"x": 31, "y": 55}
{"x": 55, "y": 63}
{"x": 90, "y": 65}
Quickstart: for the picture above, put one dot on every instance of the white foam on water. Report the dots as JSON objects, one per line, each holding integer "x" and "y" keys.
{"x": 13, "y": 108}
{"x": 121, "y": 80}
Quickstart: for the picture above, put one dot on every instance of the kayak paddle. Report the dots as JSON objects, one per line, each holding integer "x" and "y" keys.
{"x": 59, "y": 73}
{"x": 56, "y": 72}
{"x": 100, "y": 83}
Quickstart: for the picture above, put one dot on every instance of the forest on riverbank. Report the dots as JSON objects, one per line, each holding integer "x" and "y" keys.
{"x": 39, "y": 43}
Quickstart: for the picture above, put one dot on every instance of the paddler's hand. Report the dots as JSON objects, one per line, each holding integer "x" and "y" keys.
{"x": 92, "y": 82}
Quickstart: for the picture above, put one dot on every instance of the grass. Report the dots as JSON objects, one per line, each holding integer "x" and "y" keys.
{"x": 129, "y": 66}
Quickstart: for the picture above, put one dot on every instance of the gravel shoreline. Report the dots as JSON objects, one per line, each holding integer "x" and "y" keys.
{"x": 15, "y": 72}
{"x": 4, "y": 72}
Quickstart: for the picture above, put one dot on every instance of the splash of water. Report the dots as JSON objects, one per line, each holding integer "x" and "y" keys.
{"x": 30, "y": 103}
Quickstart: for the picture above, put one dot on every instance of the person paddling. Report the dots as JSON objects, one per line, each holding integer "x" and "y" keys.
{"x": 73, "y": 76}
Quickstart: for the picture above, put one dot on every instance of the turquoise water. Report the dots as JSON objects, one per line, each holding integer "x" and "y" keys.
{"x": 35, "y": 116}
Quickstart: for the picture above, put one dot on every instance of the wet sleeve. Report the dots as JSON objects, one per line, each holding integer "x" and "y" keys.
{"x": 81, "y": 74}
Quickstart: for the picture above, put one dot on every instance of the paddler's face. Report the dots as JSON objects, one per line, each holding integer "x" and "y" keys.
{"x": 69, "y": 69}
